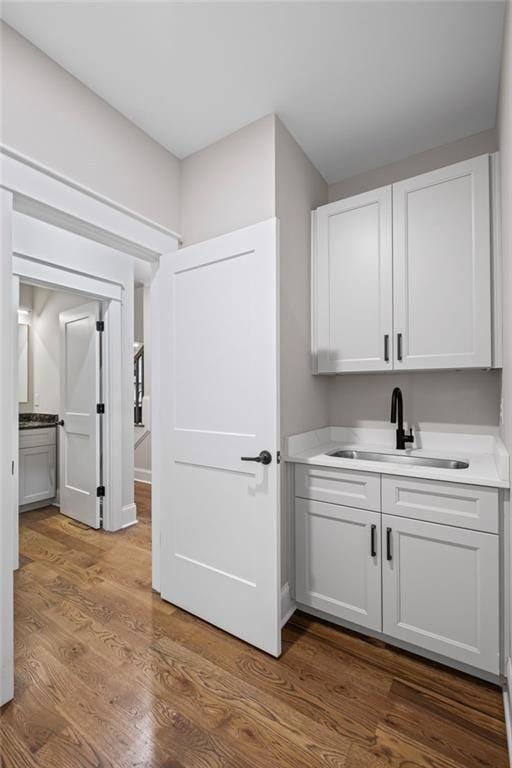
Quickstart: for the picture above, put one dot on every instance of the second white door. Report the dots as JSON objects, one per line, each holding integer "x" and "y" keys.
{"x": 79, "y": 434}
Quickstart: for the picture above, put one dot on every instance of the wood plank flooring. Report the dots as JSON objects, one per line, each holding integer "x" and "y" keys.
{"x": 110, "y": 676}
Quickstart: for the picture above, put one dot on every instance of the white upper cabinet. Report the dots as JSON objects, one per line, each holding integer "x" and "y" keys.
{"x": 352, "y": 325}
{"x": 442, "y": 268}
{"x": 401, "y": 276}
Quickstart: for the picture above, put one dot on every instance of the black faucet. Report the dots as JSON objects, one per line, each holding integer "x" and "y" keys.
{"x": 397, "y": 403}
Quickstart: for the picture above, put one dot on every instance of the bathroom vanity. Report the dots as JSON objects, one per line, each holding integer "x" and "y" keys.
{"x": 37, "y": 460}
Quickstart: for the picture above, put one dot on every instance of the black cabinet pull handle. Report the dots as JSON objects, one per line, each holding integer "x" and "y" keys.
{"x": 399, "y": 346}
{"x": 372, "y": 541}
{"x": 389, "y": 556}
{"x": 61, "y": 423}
{"x": 265, "y": 457}
{"x": 386, "y": 348}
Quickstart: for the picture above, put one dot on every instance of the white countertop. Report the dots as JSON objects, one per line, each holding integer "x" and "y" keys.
{"x": 486, "y": 454}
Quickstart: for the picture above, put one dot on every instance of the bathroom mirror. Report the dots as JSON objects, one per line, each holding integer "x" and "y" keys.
{"x": 23, "y": 363}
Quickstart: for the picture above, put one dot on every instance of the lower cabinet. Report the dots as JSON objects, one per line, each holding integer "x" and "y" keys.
{"x": 338, "y": 561}
{"x": 441, "y": 589}
{"x": 37, "y": 469}
{"x": 430, "y": 585}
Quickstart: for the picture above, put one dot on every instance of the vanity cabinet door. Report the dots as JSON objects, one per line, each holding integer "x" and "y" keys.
{"x": 441, "y": 589}
{"x": 442, "y": 268}
{"x": 338, "y": 567}
{"x": 352, "y": 284}
{"x": 37, "y": 474}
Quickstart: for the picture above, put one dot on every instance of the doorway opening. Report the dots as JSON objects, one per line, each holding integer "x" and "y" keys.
{"x": 60, "y": 402}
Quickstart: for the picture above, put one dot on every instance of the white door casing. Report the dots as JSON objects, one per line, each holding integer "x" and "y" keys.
{"x": 80, "y": 211}
{"x": 218, "y": 348}
{"x": 8, "y": 450}
{"x": 441, "y": 590}
{"x": 441, "y": 268}
{"x": 79, "y": 436}
{"x": 353, "y": 284}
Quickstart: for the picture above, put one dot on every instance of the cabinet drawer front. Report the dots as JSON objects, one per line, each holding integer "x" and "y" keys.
{"x": 338, "y": 486}
{"x": 441, "y": 589}
{"x": 464, "y": 506}
{"x": 338, "y": 561}
{"x": 32, "y": 438}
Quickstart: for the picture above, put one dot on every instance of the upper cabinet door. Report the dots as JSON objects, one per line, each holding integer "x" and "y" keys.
{"x": 442, "y": 268}
{"x": 352, "y": 284}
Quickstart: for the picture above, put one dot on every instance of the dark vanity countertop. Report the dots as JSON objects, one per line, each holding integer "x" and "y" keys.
{"x": 37, "y": 420}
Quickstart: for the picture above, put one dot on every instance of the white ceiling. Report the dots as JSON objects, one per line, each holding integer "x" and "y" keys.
{"x": 359, "y": 84}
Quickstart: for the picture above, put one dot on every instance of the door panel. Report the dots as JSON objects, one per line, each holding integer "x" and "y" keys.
{"x": 442, "y": 268}
{"x": 441, "y": 590}
{"x": 220, "y": 546}
{"x": 79, "y": 437}
{"x": 354, "y": 284}
{"x": 338, "y": 561}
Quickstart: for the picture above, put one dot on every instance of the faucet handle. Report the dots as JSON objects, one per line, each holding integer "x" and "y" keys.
{"x": 410, "y": 437}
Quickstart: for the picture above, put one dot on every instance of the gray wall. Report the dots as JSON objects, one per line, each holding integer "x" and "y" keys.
{"x": 504, "y": 123}
{"x": 459, "y": 398}
{"x": 51, "y": 117}
{"x": 505, "y": 142}
{"x": 44, "y": 346}
{"x": 449, "y": 397}
{"x": 299, "y": 189}
{"x": 423, "y": 162}
{"x": 229, "y": 184}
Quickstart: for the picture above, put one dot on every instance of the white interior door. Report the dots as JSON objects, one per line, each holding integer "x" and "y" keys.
{"x": 220, "y": 546}
{"x": 79, "y": 394}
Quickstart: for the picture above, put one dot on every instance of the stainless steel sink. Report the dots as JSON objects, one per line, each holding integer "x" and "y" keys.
{"x": 394, "y": 458}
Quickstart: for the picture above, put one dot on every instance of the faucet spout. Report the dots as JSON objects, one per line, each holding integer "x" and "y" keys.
{"x": 397, "y": 417}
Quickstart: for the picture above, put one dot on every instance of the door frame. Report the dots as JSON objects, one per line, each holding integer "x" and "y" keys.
{"x": 44, "y": 194}
{"x": 107, "y": 295}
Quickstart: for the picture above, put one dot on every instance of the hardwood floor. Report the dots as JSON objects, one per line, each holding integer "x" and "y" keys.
{"x": 109, "y": 675}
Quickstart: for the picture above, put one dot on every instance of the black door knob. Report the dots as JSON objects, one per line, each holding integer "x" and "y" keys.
{"x": 265, "y": 457}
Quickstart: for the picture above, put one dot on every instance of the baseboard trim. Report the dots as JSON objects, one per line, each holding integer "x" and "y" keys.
{"x": 507, "y": 706}
{"x": 287, "y": 604}
{"x": 142, "y": 475}
{"x": 496, "y": 679}
{"x": 128, "y": 515}
{"x": 52, "y": 502}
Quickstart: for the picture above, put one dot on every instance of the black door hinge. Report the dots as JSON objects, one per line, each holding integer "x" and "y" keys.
{"x": 100, "y": 325}
{"x": 100, "y": 408}
{"x": 100, "y": 491}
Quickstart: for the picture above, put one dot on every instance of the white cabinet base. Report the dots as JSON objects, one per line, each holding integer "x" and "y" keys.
{"x": 37, "y": 474}
{"x": 441, "y": 590}
{"x": 336, "y": 568}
